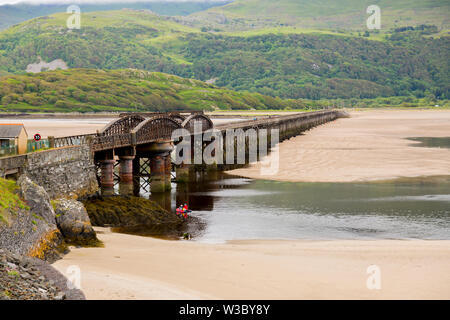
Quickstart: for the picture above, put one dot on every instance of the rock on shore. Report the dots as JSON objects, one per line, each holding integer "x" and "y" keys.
{"x": 133, "y": 214}
{"x": 73, "y": 221}
{"x": 31, "y": 230}
{"x": 25, "y": 278}
{"x": 32, "y": 235}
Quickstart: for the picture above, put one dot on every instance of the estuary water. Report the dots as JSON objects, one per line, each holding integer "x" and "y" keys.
{"x": 234, "y": 208}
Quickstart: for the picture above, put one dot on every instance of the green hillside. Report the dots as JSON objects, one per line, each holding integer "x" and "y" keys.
{"x": 86, "y": 90}
{"x": 291, "y": 64}
{"x": 16, "y": 13}
{"x": 327, "y": 14}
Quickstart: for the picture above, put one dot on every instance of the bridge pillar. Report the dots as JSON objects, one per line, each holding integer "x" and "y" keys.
{"x": 159, "y": 174}
{"x": 136, "y": 176}
{"x": 184, "y": 172}
{"x": 168, "y": 172}
{"x": 126, "y": 175}
{"x": 107, "y": 176}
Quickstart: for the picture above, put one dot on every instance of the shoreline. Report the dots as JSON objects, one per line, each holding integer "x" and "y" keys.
{"x": 132, "y": 267}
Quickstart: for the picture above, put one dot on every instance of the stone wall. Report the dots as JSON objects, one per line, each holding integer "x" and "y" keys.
{"x": 62, "y": 172}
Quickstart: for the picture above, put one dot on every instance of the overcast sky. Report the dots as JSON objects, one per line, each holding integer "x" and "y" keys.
{"x": 93, "y": 1}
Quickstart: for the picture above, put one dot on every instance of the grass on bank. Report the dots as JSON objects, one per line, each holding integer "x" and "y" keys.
{"x": 9, "y": 199}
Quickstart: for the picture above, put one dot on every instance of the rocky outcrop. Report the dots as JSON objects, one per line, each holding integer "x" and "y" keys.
{"x": 24, "y": 278}
{"x": 44, "y": 66}
{"x": 133, "y": 215}
{"x": 36, "y": 198}
{"x": 73, "y": 221}
{"x": 32, "y": 234}
{"x": 31, "y": 229}
{"x": 29, "y": 235}
{"x": 38, "y": 231}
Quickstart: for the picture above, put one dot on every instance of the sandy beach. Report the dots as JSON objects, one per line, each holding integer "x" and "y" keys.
{"x": 370, "y": 145}
{"x": 131, "y": 267}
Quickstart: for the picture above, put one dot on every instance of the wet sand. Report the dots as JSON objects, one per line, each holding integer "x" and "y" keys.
{"x": 371, "y": 145}
{"x": 131, "y": 267}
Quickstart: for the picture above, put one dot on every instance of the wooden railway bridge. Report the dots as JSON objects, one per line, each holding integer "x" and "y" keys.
{"x": 141, "y": 144}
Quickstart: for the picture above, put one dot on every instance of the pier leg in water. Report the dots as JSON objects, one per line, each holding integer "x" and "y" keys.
{"x": 184, "y": 172}
{"x": 126, "y": 175}
{"x": 157, "y": 174}
{"x": 168, "y": 172}
{"x": 136, "y": 176}
{"x": 107, "y": 176}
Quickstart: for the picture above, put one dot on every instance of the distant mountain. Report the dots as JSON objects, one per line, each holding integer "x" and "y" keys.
{"x": 13, "y": 14}
{"x": 287, "y": 63}
{"x": 327, "y": 14}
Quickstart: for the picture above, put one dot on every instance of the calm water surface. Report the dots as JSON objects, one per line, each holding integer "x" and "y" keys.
{"x": 432, "y": 142}
{"x": 237, "y": 208}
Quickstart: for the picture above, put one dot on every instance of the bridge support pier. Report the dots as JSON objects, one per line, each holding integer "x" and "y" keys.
{"x": 107, "y": 176}
{"x": 136, "y": 176}
{"x": 160, "y": 173}
{"x": 126, "y": 175}
{"x": 184, "y": 172}
{"x": 168, "y": 172}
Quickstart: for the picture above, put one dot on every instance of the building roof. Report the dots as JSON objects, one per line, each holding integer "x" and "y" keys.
{"x": 10, "y": 130}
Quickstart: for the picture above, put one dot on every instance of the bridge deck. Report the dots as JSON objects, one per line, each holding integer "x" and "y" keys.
{"x": 159, "y": 129}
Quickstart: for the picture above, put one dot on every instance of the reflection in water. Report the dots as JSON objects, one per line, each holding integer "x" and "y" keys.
{"x": 238, "y": 208}
{"x": 432, "y": 142}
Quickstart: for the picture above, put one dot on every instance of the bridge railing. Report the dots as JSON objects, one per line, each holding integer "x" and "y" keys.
{"x": 71, "y": 140}
{"x": 161, "y": 130}
{"x": 271, "y": 119}
{"x": 101, "y": 142}
{"x": 97, "y": 142}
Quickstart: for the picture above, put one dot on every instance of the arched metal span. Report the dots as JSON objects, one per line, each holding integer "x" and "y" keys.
{"x": 135, "y": 129}
{"x": 189, "y": 122}
{"x": 123, "y": 125}
{"x": 177, "y": 117}
{"x": 155, "y": 128}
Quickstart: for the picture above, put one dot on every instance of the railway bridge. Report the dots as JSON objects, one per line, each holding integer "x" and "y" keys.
{"x": 141, "y": 146}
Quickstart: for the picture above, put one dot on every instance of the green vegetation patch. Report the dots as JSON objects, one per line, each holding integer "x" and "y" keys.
{"x": 132, "y": 213}
{"x": 407, "y": 58}
{"x": 87, "y": 90}
{"x": 10, "y": 201}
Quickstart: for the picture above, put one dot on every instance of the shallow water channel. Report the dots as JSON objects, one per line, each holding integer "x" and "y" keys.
{"x": 228, "y": 208}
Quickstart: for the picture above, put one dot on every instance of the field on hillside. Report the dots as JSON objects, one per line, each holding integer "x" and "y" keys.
{"x": 324, "y": 14}
{"x": 19, "y": 12}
